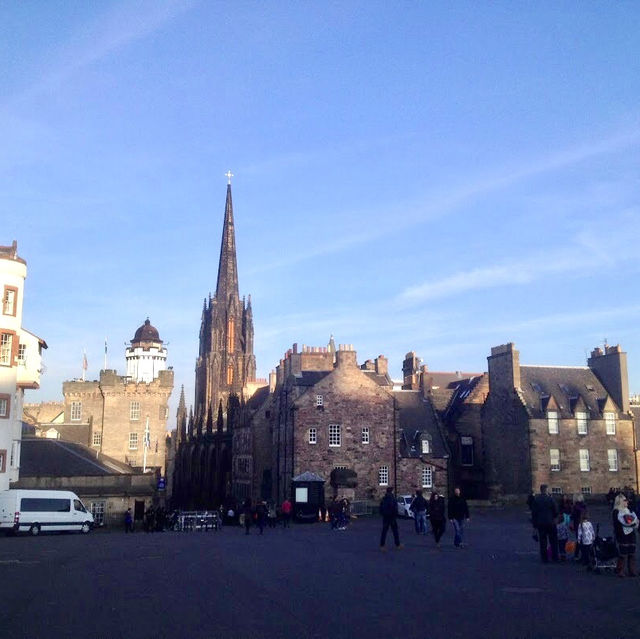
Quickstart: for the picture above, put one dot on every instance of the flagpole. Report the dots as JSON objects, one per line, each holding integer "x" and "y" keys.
{"x": 105, "y": 353}
{"x": 84, "y": 363}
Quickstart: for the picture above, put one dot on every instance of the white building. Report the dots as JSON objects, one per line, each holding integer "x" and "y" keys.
{"x": 146, "y": 356}
{"x": 20, "y": 362}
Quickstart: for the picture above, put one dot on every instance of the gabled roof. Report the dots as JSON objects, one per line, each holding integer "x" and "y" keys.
{"x": 381, "y": 380}
{"x": 416, "y": 418}
{"x": 565, "y": 384}
{"x": 55, "y": 458}
{"x": 310, "y": 378}
{"x": 258, "y": 398}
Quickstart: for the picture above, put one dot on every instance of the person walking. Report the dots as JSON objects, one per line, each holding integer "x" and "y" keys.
{"x": 419, "y": 509}
{"x": 128, "y": 521}
{"x": 389, "y": 512}
{"x": 247, "y": 511}
{"x": 437, "y": 516}
{"x": 625, "y": 524}
{"x": 261, "y": 516}
{"x": 545, "y": 514}
{"x": 285, "y": 509}
{"x": 458, "y": 514}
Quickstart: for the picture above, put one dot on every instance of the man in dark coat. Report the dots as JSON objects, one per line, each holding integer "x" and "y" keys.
{"x": 389, "y": 512}
{"x": 458, "y": 513}
{"x": 437, "y": 516}
{"x": 419, "y": 509}
{"x": 544, "y": 514}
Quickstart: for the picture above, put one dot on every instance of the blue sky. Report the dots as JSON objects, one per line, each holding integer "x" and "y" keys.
{"x": 436, "y": 177}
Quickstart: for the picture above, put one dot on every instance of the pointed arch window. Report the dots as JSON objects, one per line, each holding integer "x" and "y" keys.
{"x": 231, "y": 335}
{"x": 230, "y": 374}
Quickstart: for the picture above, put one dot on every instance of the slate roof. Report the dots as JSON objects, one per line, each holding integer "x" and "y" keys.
{"x": 565, "y": 384}
{"x": 444, "y": 386}
{"x": 43, "y": 413}
{"x": 258, "y": 398}
{"x": 381, "y": 380}
{"x": 416, "y": 416}
{"x": 310, "y": 378}
{"x": 56, "y": 458}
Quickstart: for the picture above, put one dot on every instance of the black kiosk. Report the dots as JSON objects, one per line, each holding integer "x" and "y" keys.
{"x": 307, "y": 496}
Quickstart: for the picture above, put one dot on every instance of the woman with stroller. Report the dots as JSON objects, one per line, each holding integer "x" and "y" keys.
{"x": 625, "y": 524}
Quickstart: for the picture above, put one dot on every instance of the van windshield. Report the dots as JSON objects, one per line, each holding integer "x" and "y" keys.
{"x": 77, "y": 504}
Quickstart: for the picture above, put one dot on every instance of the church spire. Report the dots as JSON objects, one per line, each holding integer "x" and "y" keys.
{"x": 181, "y": 418}
{"x": 228, "y": 267}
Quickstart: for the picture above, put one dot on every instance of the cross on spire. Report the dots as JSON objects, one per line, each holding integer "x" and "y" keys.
{"x": 229, "y": 175}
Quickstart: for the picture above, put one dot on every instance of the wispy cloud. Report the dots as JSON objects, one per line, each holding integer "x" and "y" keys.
{"x": 590, "y": 250}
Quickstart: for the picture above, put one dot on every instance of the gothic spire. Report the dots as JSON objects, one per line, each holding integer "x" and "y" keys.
{"x": 181, "y": 417}
{"x": 228, "y": 267}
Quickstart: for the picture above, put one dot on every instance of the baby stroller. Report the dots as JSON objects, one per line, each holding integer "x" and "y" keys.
{"x": 605, "y": 552}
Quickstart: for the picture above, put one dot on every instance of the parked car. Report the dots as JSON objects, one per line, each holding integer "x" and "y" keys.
{"x": 404, "y": 501}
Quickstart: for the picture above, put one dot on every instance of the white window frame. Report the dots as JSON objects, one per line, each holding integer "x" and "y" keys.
{"x": 319, "y": 400}
{"x": 5, "y": 406}
{"x": 133, "y": 441}
{"x": 556, "y": 490}
{"x": 582, "y": 422}
{"x": 425, "y": 446}
{"x": 383, "y": 476}
{"x": 612, "y": 459}
{"x": 22, "y": 354}
{"x": 366, "y": 438}
{"x": 76, "y": 411}
{"x": 585, "y": 463}
{"x": 96, "y": 438}
{"x": 586, "y": 490}
{"x": 313, "y": 435}
{"x": 553, "y": 422}
{"x": 610, "y": 423}
{"x": 9, "y": 301}
{"x": 554, "y": 459}
{"x": 427, "y": 477}
{"x": 335, "y": 436}
{"x": 6, "y": 348}
{"x": 134, "y": 411}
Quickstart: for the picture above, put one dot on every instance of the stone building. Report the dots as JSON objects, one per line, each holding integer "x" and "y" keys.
{"x": 225, "y": 381}
{"x": 343, "y": 422}
{"x": 568, "y": 427}
{"x": 125, "y": 418}
{"x": 20, "y": 362}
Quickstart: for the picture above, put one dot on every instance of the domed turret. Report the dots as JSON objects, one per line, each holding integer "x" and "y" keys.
{"x": 146, "y": 356}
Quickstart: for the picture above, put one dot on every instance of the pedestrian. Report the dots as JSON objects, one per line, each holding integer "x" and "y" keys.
{"x": 625, "y": 524}
{"x": 562, "y": 532}
{"x": 544, "y": 515}
{"x": 586, "y": 537}
{"x": 389, "y": 512}
{"x": 458, "y": 514}
{"x": 576, "y": 517}
{"x": 247, "y": 512}
{"x": 128, "y": 521}
{"x": 286, "y": 512}
{"x": 437, "y": 516}
{"x": 271, "y": 515}
{"x": 261, "y": 516}
{"x": 419, "y": 509}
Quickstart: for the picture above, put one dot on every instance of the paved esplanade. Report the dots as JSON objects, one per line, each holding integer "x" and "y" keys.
{"x": 307, "y": 581}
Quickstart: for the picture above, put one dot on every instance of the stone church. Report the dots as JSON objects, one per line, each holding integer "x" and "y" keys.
{"x": 225, "y": 378}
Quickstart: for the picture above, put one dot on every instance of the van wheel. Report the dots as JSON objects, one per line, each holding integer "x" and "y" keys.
{"x": 86, "y": 527}
{"x": 34, "y": 530}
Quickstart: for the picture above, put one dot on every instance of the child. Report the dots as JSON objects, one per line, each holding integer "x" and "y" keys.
{"x": 586, "y": 537}
{"x": 563, "y": 537}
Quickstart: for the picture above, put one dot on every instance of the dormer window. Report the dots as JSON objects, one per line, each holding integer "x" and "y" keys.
{"x": 426, "y": 447}
{"x": 610, "y": 423}
{"x": 552, "y": 421}
{"x": 581, "y": 421}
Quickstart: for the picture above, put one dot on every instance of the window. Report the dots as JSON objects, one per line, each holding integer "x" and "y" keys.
{"x": 581, "y": 420}
{"x": 134, "y": 411}
{"x": 584, "y": 460}
{"x": 133, "y": 441}
{"x": 3, "y": 461}
{"x": 335, "y": 438}
{"x": 77, "y": 505}
{"x": 76, "y": 411}
{"x": 5, "y": 406}
{"x": 231, "y": 335}
{"x": 466, "y": 451}
{"x": 427, "y": 478}
{"x": 586, "y": 490}
{"x": 230, "y": 374}
{"x": 44, "y": 505}
{"x": 554, "y": 459}
{"x": 365, "y": 435}
{"x": 15, "y": 455}
{"x": 22, "y": 353}
{"x": 552, "y": 420}
{"x": 319, "y": 400}
{"x": 97, "y": 439}
{"x": 383, "y": 475}
{"x": 612, "y": 456}
{"x": 6, "y": 346}
{"x": 556, "y": 490}
{"x": 426, "y": 446}
{"x": 610, "y": 423}
{"x": 97, "y": 510}
{"x": 313, "y": 435}
{"x": 9, "y": 300}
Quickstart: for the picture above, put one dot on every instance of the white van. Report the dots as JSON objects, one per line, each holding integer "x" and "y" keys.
{"x": 37, "y": 511}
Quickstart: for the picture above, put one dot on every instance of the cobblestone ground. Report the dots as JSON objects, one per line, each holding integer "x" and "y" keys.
{"x": 308, "y": 581}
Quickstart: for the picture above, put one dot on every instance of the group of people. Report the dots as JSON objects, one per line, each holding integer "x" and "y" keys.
{"x": 432, "y": 509}
{"x": 339, "y": 513}
{"x": 554, "y": 524}
{"x": 264, "y": 514}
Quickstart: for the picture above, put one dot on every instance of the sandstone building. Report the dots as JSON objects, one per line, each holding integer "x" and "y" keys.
{"x": 20, "y": 362}
{"x": 125, "y": 417}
